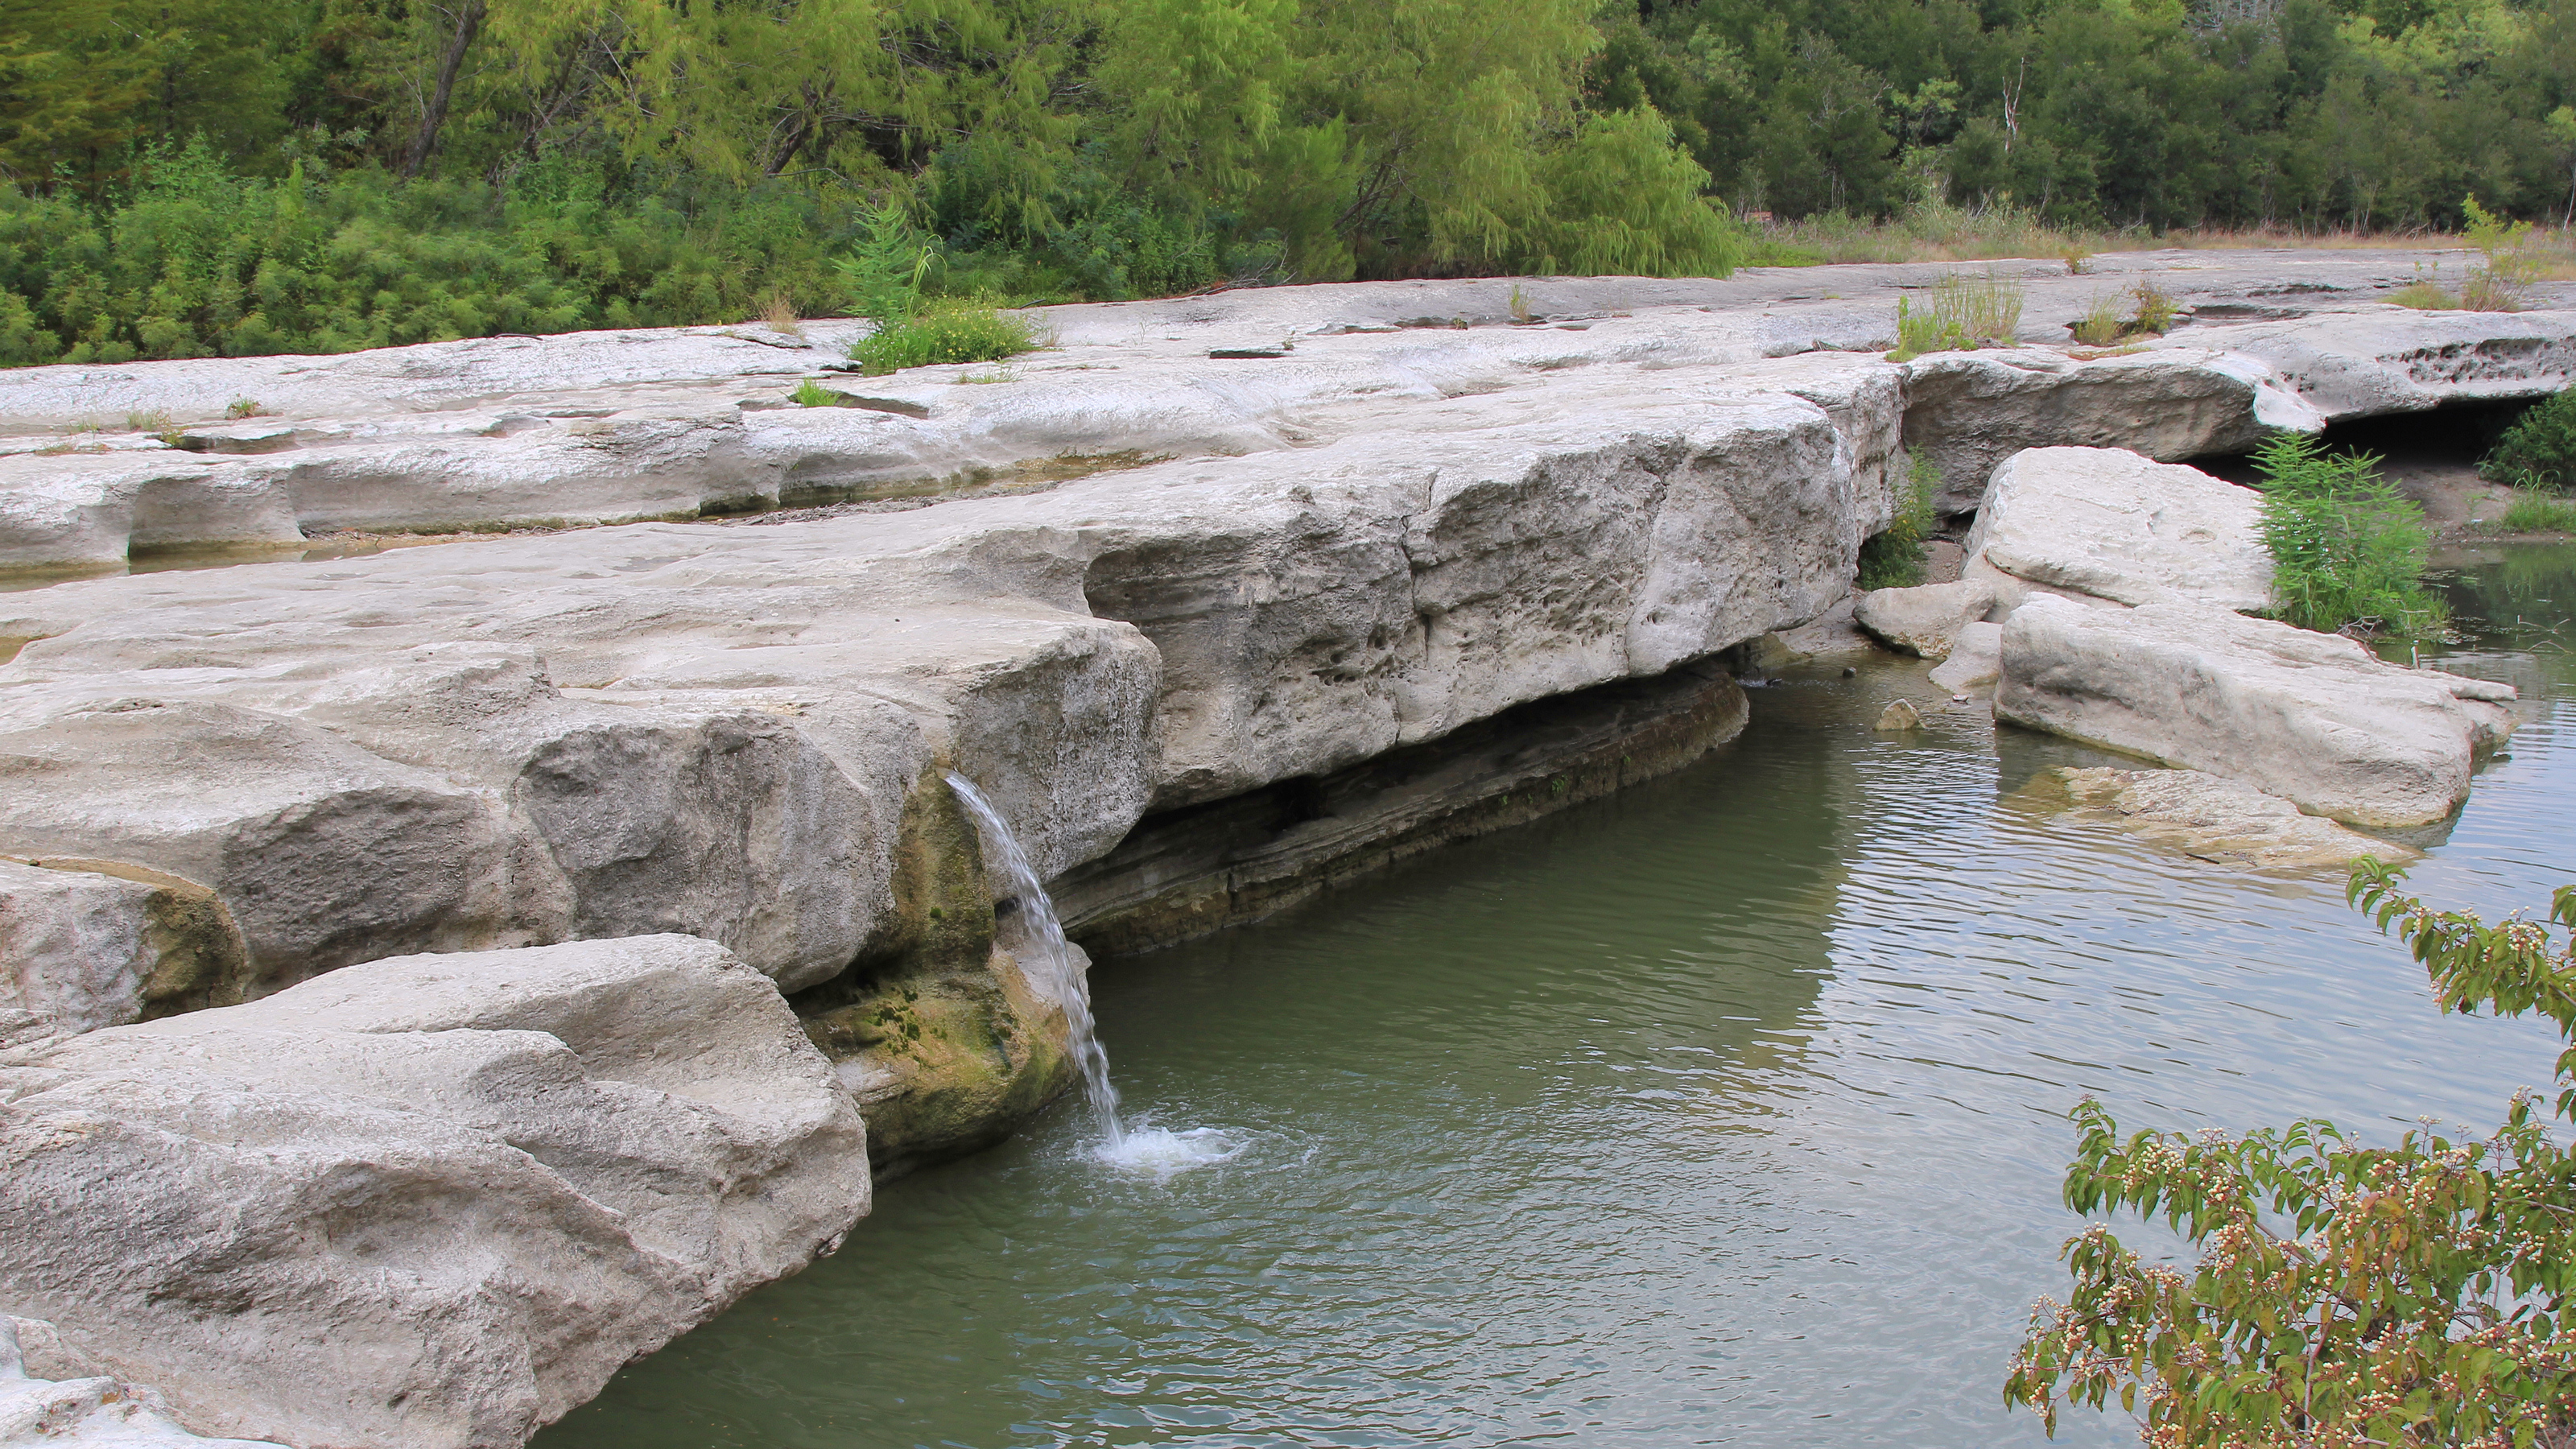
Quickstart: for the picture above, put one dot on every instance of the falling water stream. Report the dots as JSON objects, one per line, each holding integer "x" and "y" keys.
{"x": 1728, "y": 1110}
{"x": 1042, "y": 945}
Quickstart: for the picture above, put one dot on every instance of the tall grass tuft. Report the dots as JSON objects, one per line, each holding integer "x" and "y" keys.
{"x": 1966, "y": 313}
{"x": 2348, "y": 550}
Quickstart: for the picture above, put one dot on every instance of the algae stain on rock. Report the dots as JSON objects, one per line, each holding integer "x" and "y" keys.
{"x": 936, "y": 1030}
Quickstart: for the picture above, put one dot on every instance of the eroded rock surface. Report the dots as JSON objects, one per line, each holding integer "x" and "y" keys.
{"x": 425, "y": 1202}
{"x": 2110, "y": 524}
{"x": 2313, "y": 718}
{"x": 86, "y": 1412}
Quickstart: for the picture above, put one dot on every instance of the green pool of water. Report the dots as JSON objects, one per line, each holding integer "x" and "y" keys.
{"x": 1728, "y": 1111}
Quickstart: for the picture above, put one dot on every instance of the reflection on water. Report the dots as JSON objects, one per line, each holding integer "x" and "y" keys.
{"x": 1727, "y": 1111}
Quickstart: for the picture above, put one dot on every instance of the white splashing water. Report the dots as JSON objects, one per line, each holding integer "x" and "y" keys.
{"x": 1043, "y": 951}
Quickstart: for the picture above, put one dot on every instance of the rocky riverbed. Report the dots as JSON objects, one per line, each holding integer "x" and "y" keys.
{"x": 1221, "y": 601}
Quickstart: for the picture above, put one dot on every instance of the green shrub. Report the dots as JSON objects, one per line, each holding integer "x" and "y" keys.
{"x": 2156, "y": 311}
{"x": 2422, "y": 1294}
{"x": 949, "y": 332}
{"x": 2539, "y": 450}
{"x": 2540, "y": 515}
{"x": 1892, "y": 558}
{"x": 2348, "y": 550}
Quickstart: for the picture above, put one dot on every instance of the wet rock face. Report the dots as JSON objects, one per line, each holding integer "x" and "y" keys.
{"x": 430, "y": 1201}
{"x": 2313, "y": 718}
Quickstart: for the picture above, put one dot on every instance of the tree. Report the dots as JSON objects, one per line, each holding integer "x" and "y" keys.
{"x": 2420, "y": 1294}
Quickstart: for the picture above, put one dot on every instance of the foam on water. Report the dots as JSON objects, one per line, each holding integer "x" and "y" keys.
{"x": 1162, "y": 1153}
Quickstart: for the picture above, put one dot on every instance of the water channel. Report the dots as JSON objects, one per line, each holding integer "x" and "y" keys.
{"x": 1726, "y": 1111}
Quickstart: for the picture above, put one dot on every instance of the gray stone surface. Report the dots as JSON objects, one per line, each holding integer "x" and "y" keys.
{"x": 2111, "y": 524}
{"x": 2217, "y": 820}
{"x": 2313, "y": 718}
{"x": 426, "y": 1202}
{"x": 87, "y": 944}
{"x": 1924, "y": 620}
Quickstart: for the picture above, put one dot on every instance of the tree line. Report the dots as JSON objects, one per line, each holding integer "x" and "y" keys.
{"x": 196, "y": 176}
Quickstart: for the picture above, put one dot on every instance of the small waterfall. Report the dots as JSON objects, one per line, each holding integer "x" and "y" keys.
{"x": 1042, "y": 947}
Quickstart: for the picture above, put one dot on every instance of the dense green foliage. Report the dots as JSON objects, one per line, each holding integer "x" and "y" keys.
{"x": 219, "y": 176}
{"x": 2348, "y": 550}
{"x": 2420, "y": 1294}
{"x": 2539, "y": 450}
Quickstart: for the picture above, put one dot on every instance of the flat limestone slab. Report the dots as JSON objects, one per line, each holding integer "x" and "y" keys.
{"x": 2111, "y": 524}
{"x": 431, "y": 1202}
{"x": 2313, "y": 718}
{"x": 2217, "y": 820}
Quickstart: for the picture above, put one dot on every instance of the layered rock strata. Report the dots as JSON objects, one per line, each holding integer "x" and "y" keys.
{"x": 724, "y": 731}
{"x": 430, "y": 1202}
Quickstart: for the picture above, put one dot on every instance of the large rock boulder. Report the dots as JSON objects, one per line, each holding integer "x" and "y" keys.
{"x": 2358, "y": 364}
{"x": 2108, "y": 523}
{"x": 424, "y": 1203}
{"x": 2314, "y": 718}
{"x": 1925, "y": 620}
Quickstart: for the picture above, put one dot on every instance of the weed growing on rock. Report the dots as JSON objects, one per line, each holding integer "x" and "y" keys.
{"x": 2101, "y": 325}
{"x": 2156, "y": 311}
{"x": 1892, "y": 558}
{"x": 2539, "y": 450}
{"x": 2344, "y": 1295}
{"x": 242, "y": 407}
{"x": 1966, "y": 313}
{"x": 812, "y": 394}
{"x": 2504, "y": 282}
{"x": 2348, "y": 550}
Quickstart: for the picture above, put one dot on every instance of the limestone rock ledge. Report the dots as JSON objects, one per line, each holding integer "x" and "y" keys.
{"x": 423, "y": 1203}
